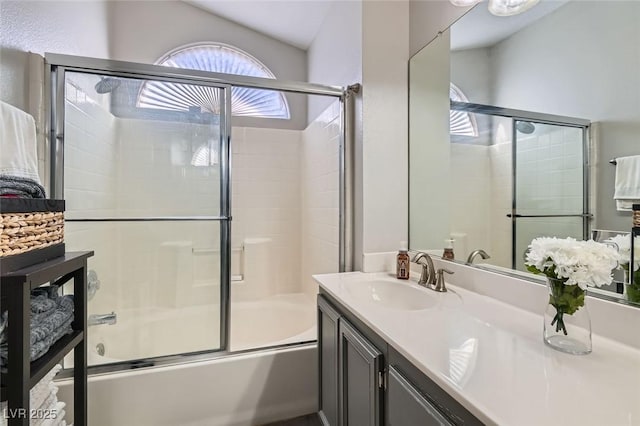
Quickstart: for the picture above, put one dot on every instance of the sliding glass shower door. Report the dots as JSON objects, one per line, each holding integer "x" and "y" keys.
{"x": 146, "y": 181}
{"x": 550, "y": 193}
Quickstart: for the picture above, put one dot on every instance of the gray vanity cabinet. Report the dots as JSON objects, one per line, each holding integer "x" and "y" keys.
{"x": 361, "y": 379}
{"x": 328, "y": 338}
{"x": 407, "y": 406}
{"x": 364, "y": 381}
{"x": 351, "y": 370}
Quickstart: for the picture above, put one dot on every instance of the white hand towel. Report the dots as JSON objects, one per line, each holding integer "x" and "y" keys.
{"x": 60, "y": 413}
{"x": 18, "y": 149}
{"x": 627, "y": 185}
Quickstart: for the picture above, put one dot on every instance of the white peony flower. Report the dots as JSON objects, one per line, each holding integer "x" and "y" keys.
{"x": 582, "y": 263}
{"x": 623, "y": 241}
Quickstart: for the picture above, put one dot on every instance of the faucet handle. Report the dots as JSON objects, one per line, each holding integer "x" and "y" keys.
{"x": 440, "y": 285}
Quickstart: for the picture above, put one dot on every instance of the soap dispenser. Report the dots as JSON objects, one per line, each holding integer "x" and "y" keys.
{"x": 448, "y": 249}
{"x": 403, "y": 262}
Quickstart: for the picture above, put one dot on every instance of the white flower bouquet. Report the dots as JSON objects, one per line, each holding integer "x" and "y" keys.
{"x": 581, "y": 263}
{"x": 570, "y": 266}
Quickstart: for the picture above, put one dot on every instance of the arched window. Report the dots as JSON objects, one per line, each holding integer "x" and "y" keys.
{"x": 220, "y": 58}
{"x": 461, "y": 122}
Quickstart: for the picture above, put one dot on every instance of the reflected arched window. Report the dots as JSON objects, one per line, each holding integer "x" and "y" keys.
{"x": 461, "y": 123}
{"x": 219, "y": 58}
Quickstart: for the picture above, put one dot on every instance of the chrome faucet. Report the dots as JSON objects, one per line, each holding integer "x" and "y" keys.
{"x": 428, "y": 276}
{"x": 475, "y": 253}
{"x": 98, "y": 319}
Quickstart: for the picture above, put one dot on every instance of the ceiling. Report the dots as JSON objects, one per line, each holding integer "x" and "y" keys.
{"x": 479, "y": 28}
{"x": 292, "y": 22}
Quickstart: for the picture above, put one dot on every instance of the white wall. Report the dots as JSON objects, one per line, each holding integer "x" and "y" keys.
{"x": 469, "y": 198}
{"x": 71, "y": 27}
{"x": 319, "y": 185}
{"x": 478, "y": 84}
{"x": 596, "y": 70}
{"x": 137, "y": 31}
{"x": 335, "y": 56}
{"x": 143, "y": 31}
{"x": 430, "y": 149}
{"x": 385, "y": 56}
{"x": 427, "y": 18}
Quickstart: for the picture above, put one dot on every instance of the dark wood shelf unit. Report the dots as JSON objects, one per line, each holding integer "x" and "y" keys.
{"x": 41, "y": 366}
{"x": 22, "y": 374}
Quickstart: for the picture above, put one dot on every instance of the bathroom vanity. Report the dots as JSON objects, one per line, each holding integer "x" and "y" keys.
{"x": 365, "y": 381}
{"x": 395, "y": 353}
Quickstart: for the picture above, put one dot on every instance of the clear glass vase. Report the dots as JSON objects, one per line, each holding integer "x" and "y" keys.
{"x": 567, "y": 325}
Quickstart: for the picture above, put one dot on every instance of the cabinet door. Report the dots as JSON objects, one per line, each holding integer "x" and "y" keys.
{"x": 328, "y": 362}
{"x": 407, "y": 406}
{"x": 360, "y": 386}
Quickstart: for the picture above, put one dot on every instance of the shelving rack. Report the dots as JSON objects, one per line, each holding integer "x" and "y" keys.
{"x": 22, "y": 374}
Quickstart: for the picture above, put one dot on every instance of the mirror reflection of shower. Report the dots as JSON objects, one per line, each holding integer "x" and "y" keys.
{"x": 525, "y": 174}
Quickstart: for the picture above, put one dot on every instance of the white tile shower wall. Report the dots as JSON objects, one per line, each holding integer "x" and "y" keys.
{"x": 155, "y": 174}
{"x": 470, "y": 197}
{"x": 549, "y": 167}
{"x": 155, "y": 177}
{"x": 90, "y": 156}
{"x": 266, "y": 201}
{"x": 549, "y": 181}
{"x": 320, "y": 195}
{"x": 501, "y": 196}
{"x": 90, "y": 164}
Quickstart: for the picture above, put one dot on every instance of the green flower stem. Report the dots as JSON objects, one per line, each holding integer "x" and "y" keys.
{"x": 633, "y": 292}
{"x": 633, "y": 288}
{"x": 566, "y": 299}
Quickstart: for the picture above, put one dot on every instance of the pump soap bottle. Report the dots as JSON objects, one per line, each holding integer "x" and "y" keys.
{"x": 403, "y": 262}
{"x": 448, "y": 250}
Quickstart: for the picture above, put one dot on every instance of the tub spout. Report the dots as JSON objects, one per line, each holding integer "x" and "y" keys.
{"x": 98, "y": 319}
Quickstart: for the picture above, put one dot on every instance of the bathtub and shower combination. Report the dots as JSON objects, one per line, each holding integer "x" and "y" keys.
{"x": 197, "y": 321}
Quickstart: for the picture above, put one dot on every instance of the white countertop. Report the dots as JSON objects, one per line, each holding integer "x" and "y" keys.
{"x": 490, "y": 357}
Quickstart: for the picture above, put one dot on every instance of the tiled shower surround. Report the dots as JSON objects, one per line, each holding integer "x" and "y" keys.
{"x": 549, "y": 181}
{"x": 284, "y": 207}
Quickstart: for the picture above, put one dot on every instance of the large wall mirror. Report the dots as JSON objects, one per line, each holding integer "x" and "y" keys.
{"x": 516, "y": 124}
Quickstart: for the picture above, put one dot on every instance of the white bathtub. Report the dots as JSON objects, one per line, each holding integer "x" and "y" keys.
{"x": 152, "y": 332}
{"x": 237, "y": 390}
{"x": 243, "y": 389}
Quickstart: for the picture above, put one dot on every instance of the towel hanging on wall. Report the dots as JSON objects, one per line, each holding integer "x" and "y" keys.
{"x": 627, "y": 184}
{"x": 18, "y": 153}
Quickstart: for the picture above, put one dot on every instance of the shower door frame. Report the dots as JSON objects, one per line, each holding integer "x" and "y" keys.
{"x": 541, "y": 118}
{"x": 56, "y": 65}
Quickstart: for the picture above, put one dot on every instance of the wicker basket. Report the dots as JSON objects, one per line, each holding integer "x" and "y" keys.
{"x": 23, "y": 232}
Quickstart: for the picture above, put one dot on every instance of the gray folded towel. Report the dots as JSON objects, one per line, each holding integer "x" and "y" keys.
{"x": 51, "y": 318}
{"x": 21, "y": 186}
{"x": 48, "y": 311}
{"x": 41, "y": 347}
{"x": 41, "y": 329}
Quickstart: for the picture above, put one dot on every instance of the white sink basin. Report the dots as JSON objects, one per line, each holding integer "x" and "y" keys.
{"x": 393, "y": 295}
